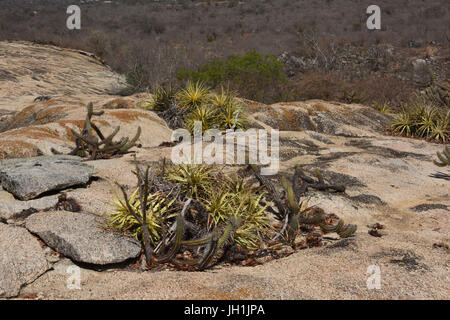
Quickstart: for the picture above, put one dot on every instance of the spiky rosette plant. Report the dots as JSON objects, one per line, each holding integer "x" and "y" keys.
{"x": 194, "y": 95}
{"x": 194, "y": 180}
{"x": 403, "y": 123}
{"x": 159, "y": 209}
{"x": 239, "y": 199}
{"x": 441, "y": 128}
{"x": 203, "y": 114}
{"x": 229, "y": 112}
{"x": 426, "y": 122}
{"x": 163, "y": 98}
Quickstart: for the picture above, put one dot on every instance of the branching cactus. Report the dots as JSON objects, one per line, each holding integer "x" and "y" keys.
{"x": 91, "y": 142}
{"x": 294, "y": 211}
{"x": 444, "y": 158}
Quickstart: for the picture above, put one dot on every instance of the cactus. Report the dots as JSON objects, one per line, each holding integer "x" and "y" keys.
{"x": 144, "y": 188}
{"x": 178, "y": 234}
{"x": 444, "y": 158}
{"x": 294, "y": 212}
{"x": 217, "y": 241}
{"x": 98, "y": 146}
{"x": 343, "y": 230}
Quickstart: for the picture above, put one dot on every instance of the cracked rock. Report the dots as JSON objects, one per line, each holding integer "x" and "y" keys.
{"x": 81, "y": 236}
{"x": 22, "y": 259}
{"x": 29, "y": 178}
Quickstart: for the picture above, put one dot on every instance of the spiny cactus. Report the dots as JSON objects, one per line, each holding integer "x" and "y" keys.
{"x": 444, "y": 158}
{"x": 294, "y": 211}
{"x": 98, "y": 146}
{"x": 340, "y": 228}
{"x": 144, "y": 188}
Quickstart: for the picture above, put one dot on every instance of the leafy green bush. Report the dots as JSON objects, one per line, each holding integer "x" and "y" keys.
{"x": 252, "y": 75}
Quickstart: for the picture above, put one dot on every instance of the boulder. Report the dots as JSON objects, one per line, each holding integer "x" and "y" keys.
{"x": 21, "y": 259}
{"x": 26, "y": 179}
{"x": 11, "y": 207}
{"x": 82, "y": 237}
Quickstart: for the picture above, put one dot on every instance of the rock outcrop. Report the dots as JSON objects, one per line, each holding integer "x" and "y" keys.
{"x": 55, "y": 87}
{"x": 82, "y": 237}
{"x": 21, "y": 259}
{"x": 28, "y": 178}
{"x": 30, "y": 70}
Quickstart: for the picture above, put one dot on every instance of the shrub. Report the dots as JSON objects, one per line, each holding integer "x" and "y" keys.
{"x": 251, "y": 74}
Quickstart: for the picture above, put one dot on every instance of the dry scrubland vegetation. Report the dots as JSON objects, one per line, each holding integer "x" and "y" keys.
{"x": 156, "y": 42}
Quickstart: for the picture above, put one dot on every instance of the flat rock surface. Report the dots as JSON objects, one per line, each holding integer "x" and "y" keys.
{"x": 28, "y": 178}
{"x": 30, "y": 70}
{"x": 21, "y": 259}
{"x": 11, "y": 207}
{"x": 81, "y": 237}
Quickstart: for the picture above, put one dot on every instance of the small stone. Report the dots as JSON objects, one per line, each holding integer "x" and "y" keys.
{"x": 265, "y": 259}
{"x": 332, "y": 236}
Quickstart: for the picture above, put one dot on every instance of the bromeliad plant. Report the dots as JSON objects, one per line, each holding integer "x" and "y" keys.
{"x": 163, "y": 98}
{"x": 423, "y": 121}
{"x": 194, "y": 95}
{"x": 159, "y": 208}
{"x": 204, "y": 114}
{"x": 194, "y": 180}
{"x": 197, "y": 209}
{"x": 239, "y": 199}
{"x": 196, "y": 102}
{"x": 229, "y": 112}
